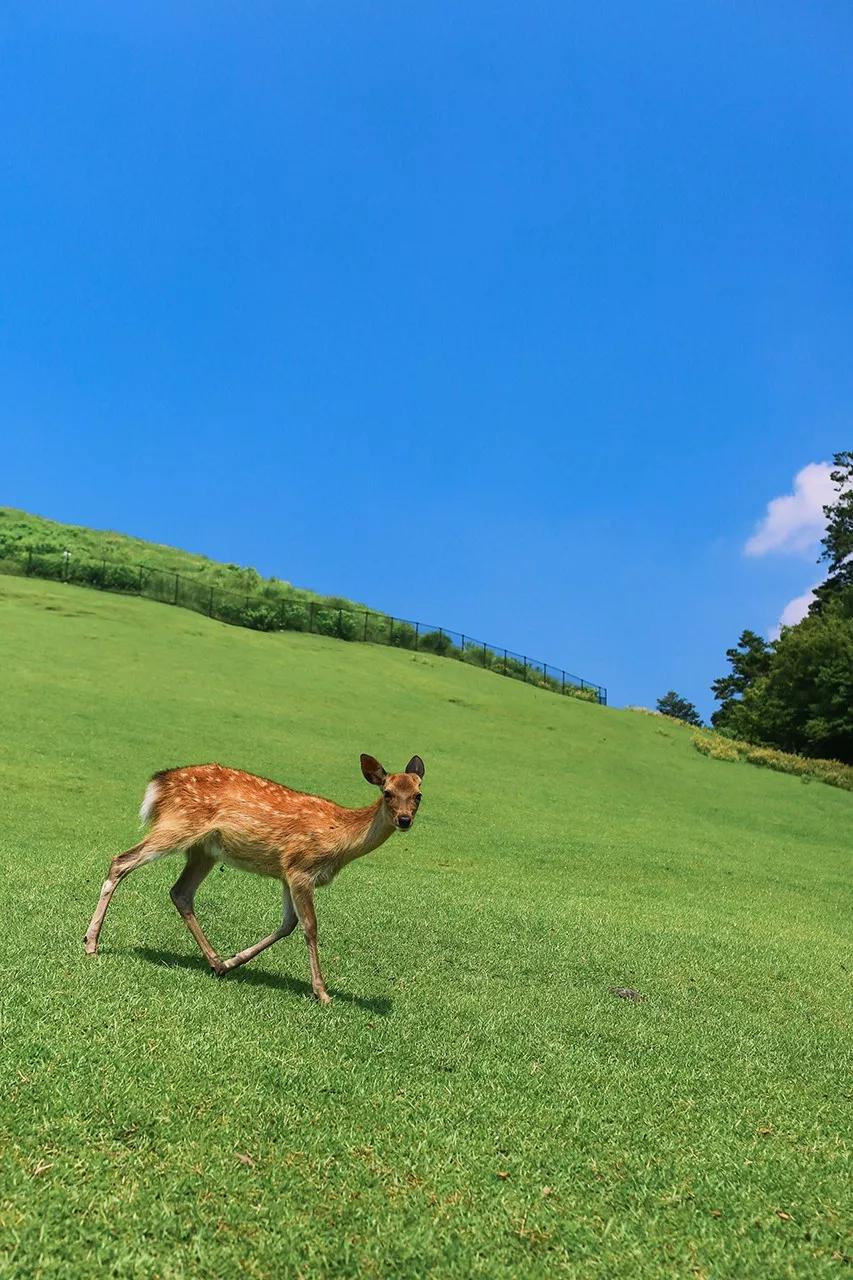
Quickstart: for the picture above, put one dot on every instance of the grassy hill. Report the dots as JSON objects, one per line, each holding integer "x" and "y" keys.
{"x": 20, "y": 531}
{"x": 35, "y": 547}
{"x": 476, "y": 1101}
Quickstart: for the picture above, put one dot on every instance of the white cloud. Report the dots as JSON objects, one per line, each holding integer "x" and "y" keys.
{"x": 795, "y": 610}
{"x": 795, "y": 522}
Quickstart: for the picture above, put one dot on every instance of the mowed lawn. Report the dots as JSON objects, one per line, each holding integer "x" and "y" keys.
{"x": 475, "y": 1101}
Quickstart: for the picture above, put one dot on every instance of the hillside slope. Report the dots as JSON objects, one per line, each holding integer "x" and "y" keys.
{"x": 476, "y": 1101}
{"x": 20, "y": 531}
{"x": 35, "y": 547}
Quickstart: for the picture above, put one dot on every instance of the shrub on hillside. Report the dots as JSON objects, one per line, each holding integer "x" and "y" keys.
{"x": 293, "y": 615}
{"x": 334, "y": 622}
{"x": 477, "y": 655}
{"x": 401, "y": 635}
{"x": 585, "y": 695}
{"x": 260, "y": 617}
{"x": 436, "y": 642}
{"x": 720, "y": 747}
{"x": 716, "y": 746}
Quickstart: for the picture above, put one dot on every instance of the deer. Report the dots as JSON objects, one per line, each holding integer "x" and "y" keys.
{"x": 212, "y": 814}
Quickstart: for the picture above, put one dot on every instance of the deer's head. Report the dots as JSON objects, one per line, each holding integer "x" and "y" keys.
{"x": 401, "y": 792}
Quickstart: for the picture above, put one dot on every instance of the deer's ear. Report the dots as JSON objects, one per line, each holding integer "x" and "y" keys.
{"x": 373, "y": 771}
{"x": 416, "y": 765}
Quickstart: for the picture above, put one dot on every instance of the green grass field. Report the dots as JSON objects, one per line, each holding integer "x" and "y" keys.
{"x": 475, "y": 1102}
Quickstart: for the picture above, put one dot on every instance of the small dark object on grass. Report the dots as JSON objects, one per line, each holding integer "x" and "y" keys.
{"x": 626, "y": 993}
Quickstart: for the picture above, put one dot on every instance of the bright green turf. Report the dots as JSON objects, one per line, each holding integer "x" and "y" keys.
{"x": 561, "y": 849}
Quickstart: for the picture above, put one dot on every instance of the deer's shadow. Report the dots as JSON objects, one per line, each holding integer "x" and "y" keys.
{"x": 260, "y": 978}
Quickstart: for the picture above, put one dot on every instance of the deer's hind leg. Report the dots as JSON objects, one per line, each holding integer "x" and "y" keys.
{"x": 121, "y": 866}
{"x": 183, "y": 892}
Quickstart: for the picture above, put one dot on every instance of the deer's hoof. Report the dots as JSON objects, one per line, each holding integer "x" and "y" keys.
{"x": 323, "y": 997}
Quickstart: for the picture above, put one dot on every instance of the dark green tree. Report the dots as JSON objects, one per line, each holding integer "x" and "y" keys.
{"x": 672, "y": 704}
{"x": 837, "y": 542}
{"x": 749, "y": 662}
{"x": 805, "y": 701}
{"x": 797, "y": 693}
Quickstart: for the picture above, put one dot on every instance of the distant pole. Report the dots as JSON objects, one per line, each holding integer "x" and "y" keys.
{"x": 175, "y": 601}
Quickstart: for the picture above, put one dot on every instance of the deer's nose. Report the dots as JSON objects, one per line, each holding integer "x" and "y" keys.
{"x": 403, "y": 821}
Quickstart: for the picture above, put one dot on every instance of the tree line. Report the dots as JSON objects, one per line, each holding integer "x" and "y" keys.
{"x": 795, "y": 693}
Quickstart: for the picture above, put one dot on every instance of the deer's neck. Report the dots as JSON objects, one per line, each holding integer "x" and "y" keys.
{"x": 364, "y": 830}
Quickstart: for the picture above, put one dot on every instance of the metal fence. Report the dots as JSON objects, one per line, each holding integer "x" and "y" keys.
{"x": 268, "y": 608}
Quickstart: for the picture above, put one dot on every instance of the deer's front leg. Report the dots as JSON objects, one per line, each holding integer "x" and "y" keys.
{"x": 303, "y": 902}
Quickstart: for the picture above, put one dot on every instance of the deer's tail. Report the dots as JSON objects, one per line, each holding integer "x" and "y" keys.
{"x": 148, "y": 808}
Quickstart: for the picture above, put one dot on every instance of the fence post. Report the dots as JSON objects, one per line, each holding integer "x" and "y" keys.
{"x": 364, "y": 636}
{"x": 417, "y": 634}
{"x": 340, "y": 623}
{"x": 484, "y": 653}
{"x": 311, "y": 617}
{"x": 210, "y": 604}
{"x": 141, "y": 578}
{"x": 175, "y": 601}
{"x": 525, "y": 670}
{"x": 391, "y": 631}
{"x": 463, "y": 644}
{"x": 563, "y": 688}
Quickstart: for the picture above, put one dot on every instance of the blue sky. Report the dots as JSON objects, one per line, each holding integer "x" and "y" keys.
{"x": 511, "y": 317}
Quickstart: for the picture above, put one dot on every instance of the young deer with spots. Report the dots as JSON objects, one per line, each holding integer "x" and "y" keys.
{"x": 212, "y": 814}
